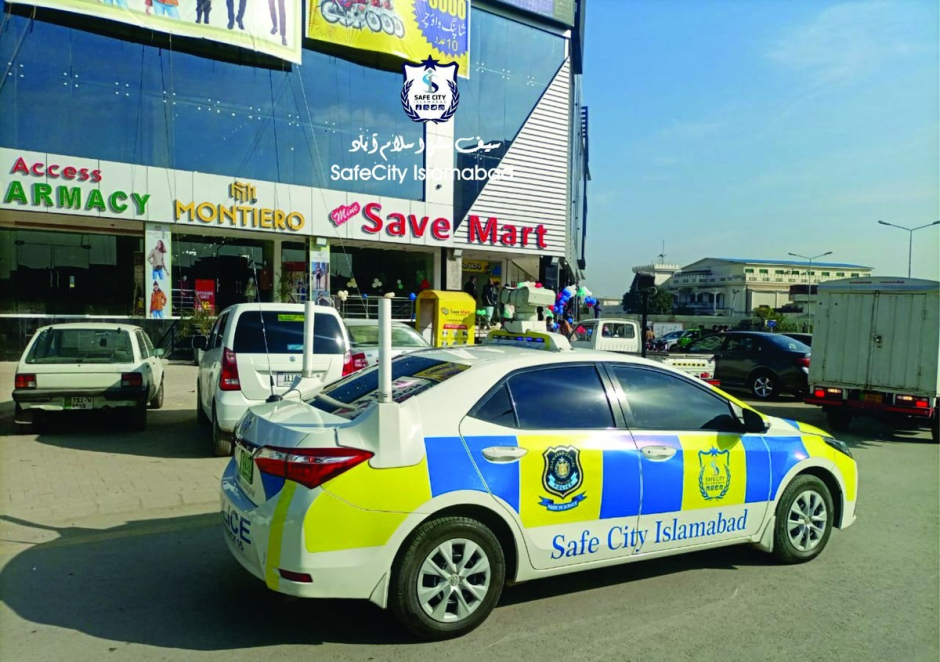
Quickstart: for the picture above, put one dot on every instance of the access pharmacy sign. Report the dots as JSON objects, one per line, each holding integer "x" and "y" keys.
{"x": 68, "y": 187}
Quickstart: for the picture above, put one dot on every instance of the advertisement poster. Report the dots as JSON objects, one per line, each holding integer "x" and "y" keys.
{"x": 157, "y": 270}
{"x": 205, "y": 294}
{"x": 410, "y": 29}
{"x": 320, "y": 273}
{"x": 271, "y": 27}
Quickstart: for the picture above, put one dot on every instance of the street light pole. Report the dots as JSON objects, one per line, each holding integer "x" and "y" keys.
{"x": 910, "y": 242}
{"x": 809, "y": 282}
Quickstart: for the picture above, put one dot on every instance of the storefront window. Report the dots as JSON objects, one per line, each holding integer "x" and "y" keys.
{"x": 135, "y": 103}
{"x": 69, "y": 273}
{"x": 233, "y": 270}
{"x": 377, "y": 272}
{"x": 294, "y": 279}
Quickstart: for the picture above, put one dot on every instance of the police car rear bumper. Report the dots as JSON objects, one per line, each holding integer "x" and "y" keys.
{"x": 254, "y": 536}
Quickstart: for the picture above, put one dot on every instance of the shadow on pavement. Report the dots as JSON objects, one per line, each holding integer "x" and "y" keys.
{"x": 170, "y": 433}
{"x": 172, "y": 583}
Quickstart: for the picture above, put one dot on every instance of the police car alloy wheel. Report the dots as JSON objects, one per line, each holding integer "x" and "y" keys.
{"x": 448, "y": 579}
{"x": 804, "y": 520}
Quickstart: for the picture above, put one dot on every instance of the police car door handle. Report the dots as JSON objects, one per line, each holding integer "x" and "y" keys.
{"x": 658, "y": 453}
{"x": 503, "y": 453}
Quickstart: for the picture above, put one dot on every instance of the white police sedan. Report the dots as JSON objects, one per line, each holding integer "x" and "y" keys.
{"x": 511, "y": 461}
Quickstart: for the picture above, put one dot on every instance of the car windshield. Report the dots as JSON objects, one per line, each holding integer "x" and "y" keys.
{"x": 82, "y": 346}
{"x": 367, "y": 335}
{"x": 789, "y": 344}
{"x": 411, "y": 375}
{"x": 283, "y": 333}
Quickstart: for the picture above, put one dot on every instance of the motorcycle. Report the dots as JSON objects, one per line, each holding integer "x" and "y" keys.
{"x": 377, "y": 15}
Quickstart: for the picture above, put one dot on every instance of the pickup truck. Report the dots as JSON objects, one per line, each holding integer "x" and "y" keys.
{"x": 624, "y": 337}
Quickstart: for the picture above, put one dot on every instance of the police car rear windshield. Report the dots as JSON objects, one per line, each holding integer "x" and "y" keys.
{"x": 411, "y": 376}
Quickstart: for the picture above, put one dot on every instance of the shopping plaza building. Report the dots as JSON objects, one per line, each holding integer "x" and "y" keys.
{"x": 135, "y": 160}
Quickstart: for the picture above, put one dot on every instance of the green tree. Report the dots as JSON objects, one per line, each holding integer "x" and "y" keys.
{"x": 659, "y": 304}
{"x": 784, "y": 324}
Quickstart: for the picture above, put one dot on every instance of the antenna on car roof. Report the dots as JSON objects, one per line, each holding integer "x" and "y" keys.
{"x": 274, "y": 397}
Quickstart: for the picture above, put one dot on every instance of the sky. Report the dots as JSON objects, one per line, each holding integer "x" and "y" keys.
{"x": 756, "y": 128}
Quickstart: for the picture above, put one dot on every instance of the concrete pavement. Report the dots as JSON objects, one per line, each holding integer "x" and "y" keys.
{"x": 156, "y": 582}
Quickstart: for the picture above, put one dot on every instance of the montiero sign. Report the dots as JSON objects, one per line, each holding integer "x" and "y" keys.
{"x": 66, "y": 187}
{"x": 242, "y": 214}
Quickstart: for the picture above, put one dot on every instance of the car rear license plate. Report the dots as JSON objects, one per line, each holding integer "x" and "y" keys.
{"x": 875, "y": 398}
{"x": 246, "y": 466}
{"x": 286, "y": 378}
{"x": 79, "y": 403}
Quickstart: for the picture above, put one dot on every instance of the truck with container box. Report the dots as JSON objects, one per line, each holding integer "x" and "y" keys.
{"x": 876, "y": 350}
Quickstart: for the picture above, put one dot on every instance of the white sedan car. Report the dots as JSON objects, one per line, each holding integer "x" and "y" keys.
{"x": 516, "y": 460}
{"x": 69, "y": 367}
{"x": 364, "y": 336}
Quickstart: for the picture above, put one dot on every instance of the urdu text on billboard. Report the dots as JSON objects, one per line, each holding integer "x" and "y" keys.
{"x": 271, "y": 27}
{"x": 408, "y": 29}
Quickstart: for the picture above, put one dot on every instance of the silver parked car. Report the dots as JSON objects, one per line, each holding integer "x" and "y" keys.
{"x": 364, "y": 337}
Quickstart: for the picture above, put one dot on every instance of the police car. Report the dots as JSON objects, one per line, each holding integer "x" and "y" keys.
{"x": 515, "y": 460}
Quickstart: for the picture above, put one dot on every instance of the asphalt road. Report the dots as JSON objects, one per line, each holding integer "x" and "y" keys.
{"x": 165, "y": 588}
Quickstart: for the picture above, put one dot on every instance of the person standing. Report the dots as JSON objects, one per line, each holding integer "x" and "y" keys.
{"x": 157, "y": 302}
{"x": 232, "y": 16}
{"x": 565, "y": 328}
{"x": 157, "y": 260}
{"x": 490, "y": 299}
{"x": 470, "y": 287}
{"x": 597, "y": 310}
{"x": 274, "y": 19}
{"x": 650, "y": 334}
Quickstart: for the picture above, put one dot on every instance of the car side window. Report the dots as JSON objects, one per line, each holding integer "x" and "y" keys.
{"x": 497, "y": 408}
{"x": 709, "y": 344}
{"x": 657, "y": 400}
{"x": 561, "y": 398}
{"x": 218, "y": 333}
{"x": 142, "y": 345}
{"x": 148, "y": 342}
{"x": 740, "y": 344}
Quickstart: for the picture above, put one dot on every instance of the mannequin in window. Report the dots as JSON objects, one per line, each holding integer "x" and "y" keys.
{"x": 251, "y": 290}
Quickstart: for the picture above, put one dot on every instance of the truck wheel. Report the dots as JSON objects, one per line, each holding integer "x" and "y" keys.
{"x": 804, "y": 520}
{"x": 448, "y": 578}
{"x": 221, "y": 442}
{"x": 838, "y": 419}
{"x": 764, "y": 385}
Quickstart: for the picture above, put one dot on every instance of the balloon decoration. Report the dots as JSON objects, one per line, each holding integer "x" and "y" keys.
{"x": 389, "y": 295}
{"x": 412, "y": 296}
{"x": 342, "y": 295}
{"x": 376, "y": 283}
{"x": 538, "y": 286}
{"x": 481, "y": 312}
{"x": 400, "y": 286}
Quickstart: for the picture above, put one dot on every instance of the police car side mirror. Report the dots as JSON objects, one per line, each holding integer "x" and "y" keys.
{"x": 754, "y": 422}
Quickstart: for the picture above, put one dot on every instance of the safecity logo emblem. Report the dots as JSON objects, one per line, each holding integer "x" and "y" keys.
{"x": 429, "y": 92}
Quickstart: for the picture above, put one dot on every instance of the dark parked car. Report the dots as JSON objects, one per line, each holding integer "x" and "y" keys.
{"x": 766, "y": 364}
{"x": 805, "y": 338}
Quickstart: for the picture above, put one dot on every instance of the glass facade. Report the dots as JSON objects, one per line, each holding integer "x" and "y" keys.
{"x": 235, "y": 270}
{"x": 70, "y": 273}
{"x": 76, "y": 93}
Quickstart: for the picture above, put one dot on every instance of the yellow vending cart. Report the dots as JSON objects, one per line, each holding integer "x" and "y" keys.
{"x": 446, "y": 318}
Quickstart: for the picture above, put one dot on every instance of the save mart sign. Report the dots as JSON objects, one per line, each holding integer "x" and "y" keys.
{"x": 69, "y": 192}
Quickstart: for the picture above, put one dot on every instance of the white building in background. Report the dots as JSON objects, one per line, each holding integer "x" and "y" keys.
{"x": 738, "y": 286}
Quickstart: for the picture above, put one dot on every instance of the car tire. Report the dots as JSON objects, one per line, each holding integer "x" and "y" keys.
{"x": 764, "y": 385}
{"x": 838, "y": 419}
{"x": 221, "y": 442}
{"x": 137, "y": 418}
{"x": 804, "y": 520}
{"x": 157, "y": 402}
{"x": 201, "y": 417}
{"x": 436, "y": 615}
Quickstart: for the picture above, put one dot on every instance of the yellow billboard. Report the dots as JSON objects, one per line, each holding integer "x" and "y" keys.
{"x": 409, "y": 29}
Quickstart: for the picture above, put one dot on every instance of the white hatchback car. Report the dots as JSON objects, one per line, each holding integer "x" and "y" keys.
{"x": 256, "y": 350}
{"x": 364, "y": 335}
{"x": 83, "y": 366}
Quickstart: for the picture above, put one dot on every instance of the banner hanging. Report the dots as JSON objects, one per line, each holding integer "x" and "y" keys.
{"x": 271, "y": 27}
{"x": 319, "y": 272}
{"x": 412, "y": 30}
{"x": 158, "y": 251}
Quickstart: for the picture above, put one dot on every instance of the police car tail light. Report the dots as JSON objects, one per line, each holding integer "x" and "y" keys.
{"x": 228, "y": 379}
{"x": 354, "y": 363}
{"x": 309, "y": 466}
